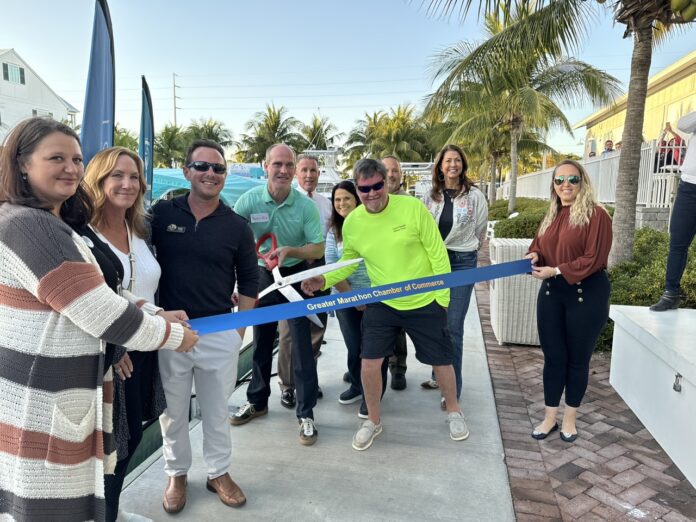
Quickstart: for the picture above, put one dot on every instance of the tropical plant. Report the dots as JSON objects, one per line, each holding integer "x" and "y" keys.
{"x": 319, "y": 134}
{"x": 401, "y": 132}
{"x": 267, "y": 128}
{"x": 525, "y": 83}
{"x": 361, "y": 141}
{"x": 209, "y": 129}
{"x": 170, "y": 146}
{"x": 561, "y": 27}
{"x": 125, "y": 138}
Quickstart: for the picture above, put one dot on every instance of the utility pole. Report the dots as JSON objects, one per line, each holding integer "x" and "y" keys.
{"x": 174, "y": 96}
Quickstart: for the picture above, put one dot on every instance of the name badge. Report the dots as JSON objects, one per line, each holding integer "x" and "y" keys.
{"x": 260, "y": 218}
{"x": 176, "y": 229}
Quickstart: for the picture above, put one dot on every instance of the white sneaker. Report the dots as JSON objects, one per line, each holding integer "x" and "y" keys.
{"x": 124, "y": 516}
{"x": 457, "y": 426}
{"x": 366, "y": 435}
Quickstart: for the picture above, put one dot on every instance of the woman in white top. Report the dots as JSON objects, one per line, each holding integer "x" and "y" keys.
{"x": 116, "y": 182}
{"x": 461, "y": 213}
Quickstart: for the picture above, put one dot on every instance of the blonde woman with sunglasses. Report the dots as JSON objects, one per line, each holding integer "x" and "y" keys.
{"x": 569, "y": 254}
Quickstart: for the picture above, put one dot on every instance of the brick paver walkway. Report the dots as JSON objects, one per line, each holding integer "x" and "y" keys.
{"x": 615, "y": 470}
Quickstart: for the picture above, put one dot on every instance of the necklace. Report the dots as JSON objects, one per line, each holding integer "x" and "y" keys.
{"x": 451, "y": 193}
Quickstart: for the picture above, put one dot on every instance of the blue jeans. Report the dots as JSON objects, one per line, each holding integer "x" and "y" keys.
{"x": 456, "y": 313}
{"x": 682, "y": 229}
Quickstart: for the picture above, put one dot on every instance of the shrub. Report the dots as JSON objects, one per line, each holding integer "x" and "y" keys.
{"x": 525, "y": 225}
{"x": 498, "y": 210}
{"x": 640, "y": 282}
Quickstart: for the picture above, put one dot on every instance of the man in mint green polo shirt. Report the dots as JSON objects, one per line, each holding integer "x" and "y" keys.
{"x": 398, "y": 240}
{"x": 294, "y": 220}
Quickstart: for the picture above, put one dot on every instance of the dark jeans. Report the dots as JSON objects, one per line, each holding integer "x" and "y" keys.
{"x": 138, "y": 388}
{"x": 460, "y": 296}
{"x": 682, "y": 229}
{"x": 304, "y": 365}
{"x": 350, "y": 322}
{"x": 570, "y": 319}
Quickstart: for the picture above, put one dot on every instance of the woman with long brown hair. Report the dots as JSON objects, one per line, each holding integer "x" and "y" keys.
{"x": 56, "y": 309}
{"x": 461, "y": 213}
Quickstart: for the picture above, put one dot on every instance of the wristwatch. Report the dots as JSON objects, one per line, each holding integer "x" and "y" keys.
{"x": 558, "y": 271}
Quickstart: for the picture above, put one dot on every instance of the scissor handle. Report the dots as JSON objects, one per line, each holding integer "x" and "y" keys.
{"x": 270, "y": 263}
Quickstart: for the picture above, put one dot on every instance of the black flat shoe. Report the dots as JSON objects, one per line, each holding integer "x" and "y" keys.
{"x": 540, "y": 435}
{"x": 568, "y": 437}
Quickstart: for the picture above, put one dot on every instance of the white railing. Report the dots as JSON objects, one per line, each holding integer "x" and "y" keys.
{"x": 657, "y": 179}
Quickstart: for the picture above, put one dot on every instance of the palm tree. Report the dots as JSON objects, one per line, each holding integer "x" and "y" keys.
{"x": 170, "y": 146}
{"x": 320, "y": 134}
{"x": 402, "y": 134}
{"x": 562, "y": 27}
{"x": 399, "y": 132}
{"x": 209, "y": 129}
{"x": 267, "y": 128}
{"x": 125, "y": 138}
{"x": 361, "y": 139}
{"x": 526, "y": 82}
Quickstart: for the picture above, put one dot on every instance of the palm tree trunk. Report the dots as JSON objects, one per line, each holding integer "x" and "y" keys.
{"x": 492, "y": 187}
{"x": 515, "y": 137}
{"x": 629, "y": 164}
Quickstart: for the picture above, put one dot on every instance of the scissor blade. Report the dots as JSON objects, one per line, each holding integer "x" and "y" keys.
{"x": 268, "y": 290}
{"x": 319, "y": 270}
{"x": 293, "y": 295}
{"x": 278, "y": 283}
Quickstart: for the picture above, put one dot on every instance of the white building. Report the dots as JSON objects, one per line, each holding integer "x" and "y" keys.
{"x": 24, "y": 94}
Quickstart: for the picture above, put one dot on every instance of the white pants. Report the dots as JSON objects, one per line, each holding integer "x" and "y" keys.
{"x": 213, "y": 365}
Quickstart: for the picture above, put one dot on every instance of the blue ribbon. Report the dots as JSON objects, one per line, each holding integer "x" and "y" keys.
{"x": 362, "y": 296}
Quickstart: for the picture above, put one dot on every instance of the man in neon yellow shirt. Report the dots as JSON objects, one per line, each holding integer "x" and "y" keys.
{"x": 399, "y": 240}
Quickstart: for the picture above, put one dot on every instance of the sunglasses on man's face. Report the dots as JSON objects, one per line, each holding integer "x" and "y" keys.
{"x": 203, "y": 166}
{"x": 573, "y": 180}
{"x": 365, "y": 189}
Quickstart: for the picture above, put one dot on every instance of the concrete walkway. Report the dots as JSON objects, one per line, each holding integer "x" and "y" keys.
{"x": 412, "y": 472}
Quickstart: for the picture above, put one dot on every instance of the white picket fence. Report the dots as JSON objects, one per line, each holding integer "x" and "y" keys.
{"x": 656, "y": 183}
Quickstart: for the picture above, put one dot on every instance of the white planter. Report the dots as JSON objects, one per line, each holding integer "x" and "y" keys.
{"x": 653, "y": 368}
{"x": 513, "y": 299}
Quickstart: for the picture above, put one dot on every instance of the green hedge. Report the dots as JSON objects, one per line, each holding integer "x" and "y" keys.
{"x": 498, "y": 210}
{"x": 641, "y": 282}
{"x": 526, "y": 224}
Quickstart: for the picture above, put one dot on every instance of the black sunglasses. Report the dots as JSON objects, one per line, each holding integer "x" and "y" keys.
{"x": 203, "y": 166}
{"x": 365, "y": 189}
{"x": 573, "y": 180}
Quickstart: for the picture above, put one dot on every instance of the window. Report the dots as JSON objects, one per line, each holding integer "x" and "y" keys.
{"x": 13, "y": 73}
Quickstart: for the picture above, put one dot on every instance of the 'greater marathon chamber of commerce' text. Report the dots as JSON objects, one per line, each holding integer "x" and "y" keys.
{"x": 390, "y": 292}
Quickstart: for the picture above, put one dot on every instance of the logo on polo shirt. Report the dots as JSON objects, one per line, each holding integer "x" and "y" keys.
{"x": 175, "y": 228}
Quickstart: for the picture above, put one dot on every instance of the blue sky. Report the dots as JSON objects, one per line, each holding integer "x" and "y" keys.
{"x": 338, "y": 59}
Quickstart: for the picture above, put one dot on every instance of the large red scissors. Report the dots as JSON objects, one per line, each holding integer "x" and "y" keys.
{"x": 283, "y": 284}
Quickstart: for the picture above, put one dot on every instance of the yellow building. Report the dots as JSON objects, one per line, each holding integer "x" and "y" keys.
{"x": 671, "y": 94}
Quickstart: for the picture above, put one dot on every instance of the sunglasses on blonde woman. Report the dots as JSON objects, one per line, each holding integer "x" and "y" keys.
{"x": 573, "y": 180}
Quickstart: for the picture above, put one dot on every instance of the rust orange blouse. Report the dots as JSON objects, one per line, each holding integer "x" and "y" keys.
{"x": 578, "y": 252}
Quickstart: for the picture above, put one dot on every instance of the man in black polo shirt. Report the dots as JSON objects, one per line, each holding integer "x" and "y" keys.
{"x": 204, "y": 248}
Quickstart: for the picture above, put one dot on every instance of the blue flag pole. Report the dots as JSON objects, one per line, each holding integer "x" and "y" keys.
{"x": 98, "y": 116}
{"x": 147, "y": 139}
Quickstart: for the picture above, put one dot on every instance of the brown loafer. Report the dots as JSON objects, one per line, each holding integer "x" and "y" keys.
{"x": 229, "y": 492}
{"x": 175, "y": 495}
